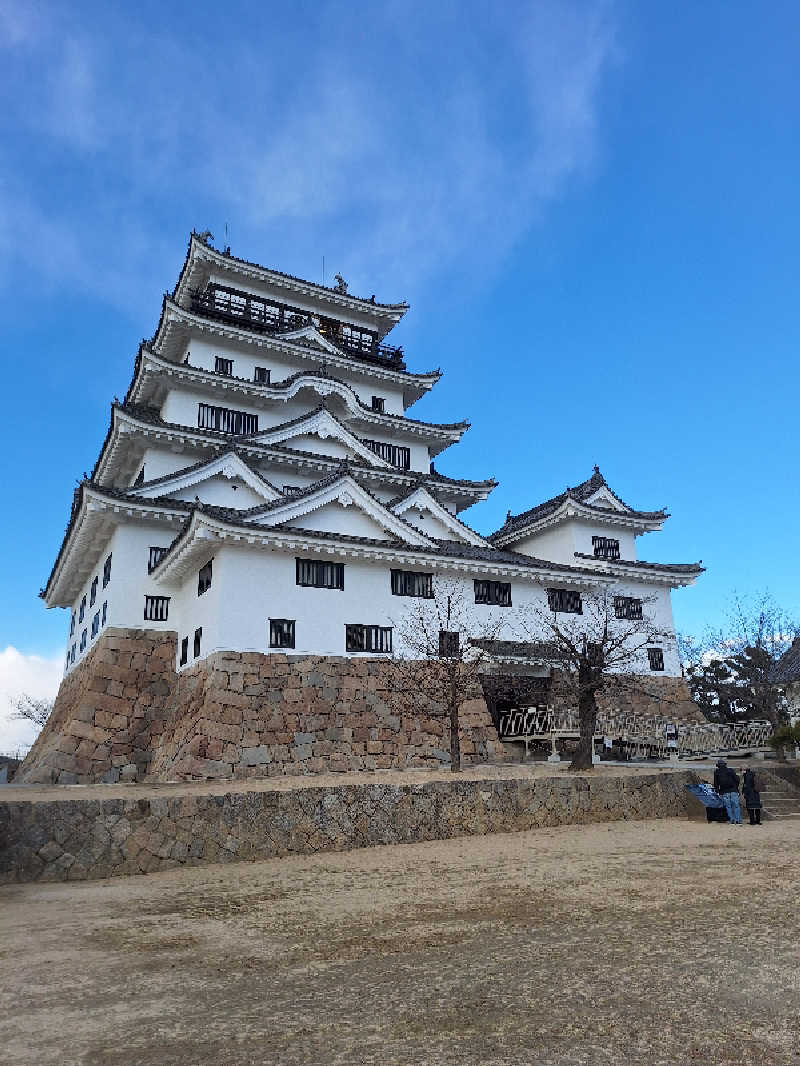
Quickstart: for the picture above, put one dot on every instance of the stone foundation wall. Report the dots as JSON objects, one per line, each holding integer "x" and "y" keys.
{"x": 76, "y": 839}
{"x": 108, "y": 713}
{"x": 646, "y": 695}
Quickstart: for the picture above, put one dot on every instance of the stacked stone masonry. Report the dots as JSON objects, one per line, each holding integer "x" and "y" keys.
{"x": 125, "y": 715}
{"x": 75, "y": 839}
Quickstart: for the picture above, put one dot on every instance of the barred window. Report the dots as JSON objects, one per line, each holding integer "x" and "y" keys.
{"x": 105, "y": 613}
{"x": 93, "y": 592}
{"x": 494, "y": 592}
{"x": 156, "y": 608}
{"x": 72, "y": 654}
{"x": 628, "y": 607}
{"x": 155, "y": 557}
{"x": 565, "y": 600}
{"x": 367, "y": 638}
{"x": 82, "y": 611}
{"x": 449, "y": 645}
{"x": 72, "y": 626}
{"x": 392, "y": 453}
{"x": 223, "y": 366}
{"x": 204, "y": 578}
{"x": 184, "y": 651}
{"x": 378, "y": 404}
{"x": 225, "y": 420}
{"x": 281, "y": 632}
{"x": 261, "y": 375}
{"x": 656, "y": 657}
{"x": 605, "y": 548}
{"x": 107, "y": 571}
{"x": 409, "y": 583}
{"x": 95, "y": 625}
{"x": 198, "y": 639}
{"x": 313, "y": 573}
{"x": 83, "y": 641}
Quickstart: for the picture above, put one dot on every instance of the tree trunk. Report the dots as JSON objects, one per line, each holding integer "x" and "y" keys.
{"x": 455, "y": 740}
{"x": 587, "y": 721}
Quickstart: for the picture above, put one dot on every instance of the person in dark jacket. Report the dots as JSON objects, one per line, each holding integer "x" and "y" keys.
{"x": 726, "y": 783}
{"x": 752, "y": 796}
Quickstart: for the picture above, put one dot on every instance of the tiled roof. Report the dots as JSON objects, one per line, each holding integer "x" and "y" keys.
{"x": 787, "y": 668}
{"x": 667, "y": 568}
{"x": 580, "y": 493}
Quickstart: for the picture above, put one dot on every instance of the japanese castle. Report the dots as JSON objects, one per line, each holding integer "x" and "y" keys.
{"x": 262, "y": 488}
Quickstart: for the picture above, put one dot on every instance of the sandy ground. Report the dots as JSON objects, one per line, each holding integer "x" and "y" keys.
{"x": 668, "y": 942}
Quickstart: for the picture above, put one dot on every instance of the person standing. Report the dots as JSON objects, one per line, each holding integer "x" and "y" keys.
{"x": 726, "y": 783}
{"x": 752, "y": 796}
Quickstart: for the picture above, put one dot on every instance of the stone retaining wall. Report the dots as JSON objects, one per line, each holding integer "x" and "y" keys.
{"x": 84, "y": 838}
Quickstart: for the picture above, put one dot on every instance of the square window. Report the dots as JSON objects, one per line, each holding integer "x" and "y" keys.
{"x": 656, "y": 657}
{"x": 449, "y": 645}
{"x": 184, "y": 651}
{"x": 223, "y": 366}
{"x": 281, "y": 632}
{"x": 261, "y": 375}
{"x": 204, "y": 578}
{"x": 198, "y": 636}
{"x": 156, "y": 608}
{"x": 378, "y": 404}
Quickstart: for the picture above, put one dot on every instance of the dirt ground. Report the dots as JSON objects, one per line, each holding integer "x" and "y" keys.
{"x": 661, "y": 943}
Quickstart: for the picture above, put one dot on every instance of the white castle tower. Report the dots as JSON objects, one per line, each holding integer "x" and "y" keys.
{"x": 262, "y": 491}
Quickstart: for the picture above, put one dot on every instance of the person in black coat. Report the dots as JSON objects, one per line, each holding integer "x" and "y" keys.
{"x": 726, "y": 784}
{"x": 752, "y": 796}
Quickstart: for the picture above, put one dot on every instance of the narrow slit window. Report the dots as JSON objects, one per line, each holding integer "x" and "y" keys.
{"x": 95, "y": 624}
{"x": 204, "y": 578}
{"x": 106, "y": 571}
{"x": 82, "y": 611}
{"x": 198, "y": 638}
{"x": 184, "y": 651}
{"x": 93, "y": 592}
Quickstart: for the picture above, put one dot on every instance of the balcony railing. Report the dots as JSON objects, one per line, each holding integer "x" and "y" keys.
{"x": 268, "y": 316}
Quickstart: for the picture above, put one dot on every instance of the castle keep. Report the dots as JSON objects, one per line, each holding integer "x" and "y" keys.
{"x": 261, "y": 510}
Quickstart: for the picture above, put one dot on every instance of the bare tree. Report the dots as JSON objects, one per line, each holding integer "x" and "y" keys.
{"x": 30, "y": 709}
{"x": 436, "y": 666}
{"x": 596, "y": 642}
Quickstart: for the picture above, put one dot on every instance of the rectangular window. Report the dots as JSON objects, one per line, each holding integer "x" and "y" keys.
{"x": 155, "y": 557}
{"x": 66, "y": 664}
{"x": 204, "y": 578}
{"x": 93, "y": 592}
{"x": 106, "y": 571}
{"x": 184, "y": 651}
{"x": 105, "y": 613}
{"x": 378, "y": 404}
{"x": 564, "y": 600}
{"x": 198, "y": 637}
{"x": 72, "y": 626}
{"x": 156, "y": 608}
{"x": 72, "y": 654}
{"x": 448, "y": 644}
{"x": 313, "y": 573}
{"x": 292, "y": 490}
{"x": 82, "y": 611}
{"x": 367, "y": 638}
{"x": 83, "y": 641}
{"x": 223, "y": 366}
{"x": 95, "y": 624}
{"x": 409, "y": 583}
{"x": 627, "y": 607}
{"x": 281, "y": 632}
{"x": 224, "y": 420}
{"x": 392, "y": 453}
{"x": 261, "y": 375}
{"x": 494, "y": 592}
{"x": 656, "y": 657}
{"x": 605, "y": 548}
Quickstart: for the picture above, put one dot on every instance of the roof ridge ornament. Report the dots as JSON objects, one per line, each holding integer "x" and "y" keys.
{"x": 341, "y": 284}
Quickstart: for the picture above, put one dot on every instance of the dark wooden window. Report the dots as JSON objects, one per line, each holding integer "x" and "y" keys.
{"x": 82, "y": 611}
{"x": 184, "y": 651}
{"x": 313, "y": 573}
{"x": 83, "y": 641}
{"x": 198, "y": 638}
{"x": 292, "y": 490}
{"x": 106, "y": 571}
{"x": 409, "y": 583}
{"x": 367, "y": 638}
{"x": 139, "y": 478}
{"x": 281, "y": 632}
{"x": 105, "y": 613}
{"x": 72, "y": 653}
{"x": 565, "y": 600}
{"x": 93, "y": 592}
{"x": 656, "y": 657}
{"x": 155, "y": 557}
{"x": 392, "y": 453}
{"x": 223, "y": 366}
{"x": 448, "y": 644}
{"x": 204, "y": 578}
{"x": 156, "y": 608}
{"x": 628, "y": 607}
{"x": 495, "y": 592}
{"x": 378, "y": 404}
{"x": 261, "y": 375}
{"x": 95, "y": 624}
{"x": 72, "y": 626}
{"x": 605, "y": 548}
{"x": 225, "y": 420}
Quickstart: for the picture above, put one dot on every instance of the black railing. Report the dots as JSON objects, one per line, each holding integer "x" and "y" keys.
{"x": 223, "y": 366}
{"x": 393, "y": 453}
{"x": 225, "y": 420}
{"x": 269, "y": 316}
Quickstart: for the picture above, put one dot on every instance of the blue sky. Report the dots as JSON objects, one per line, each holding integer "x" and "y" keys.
{"x": 591, "y": 207}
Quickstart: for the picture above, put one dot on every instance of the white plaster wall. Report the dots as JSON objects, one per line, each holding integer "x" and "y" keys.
{"x": 159, "y": 462}
{"x": 429, "y": 524}
{"x": 193, "y": 612}
{"x": 337, "y": 519}
{"x": 221, "y": 492}
{"x": 558, "y": 544}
